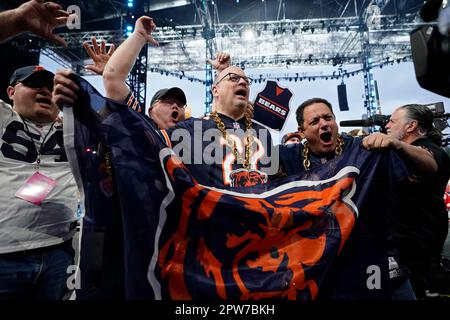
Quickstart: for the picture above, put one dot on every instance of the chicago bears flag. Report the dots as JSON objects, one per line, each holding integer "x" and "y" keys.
{"x": 152, "y": 232}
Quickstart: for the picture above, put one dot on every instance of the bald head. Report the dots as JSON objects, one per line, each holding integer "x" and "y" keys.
{"x": 230, "y": 91}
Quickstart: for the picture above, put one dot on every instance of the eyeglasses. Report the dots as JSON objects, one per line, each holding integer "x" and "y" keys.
{"x": 236, "y": 78}
{"x": 37, "y": 84}
{"x": 171, "y": 102}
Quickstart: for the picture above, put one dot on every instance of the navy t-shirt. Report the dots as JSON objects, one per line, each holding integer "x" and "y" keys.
{"x": 419, "y": 220}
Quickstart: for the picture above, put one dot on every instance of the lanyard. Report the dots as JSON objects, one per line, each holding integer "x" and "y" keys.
{"x": 39, "y": 151}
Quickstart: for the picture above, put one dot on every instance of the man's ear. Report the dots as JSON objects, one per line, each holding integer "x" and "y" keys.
{"x": 301, "y": 132}
{"x": 10, "y": 90}
{"x": 412, "y": 126}
{"x": 215, "y": 91}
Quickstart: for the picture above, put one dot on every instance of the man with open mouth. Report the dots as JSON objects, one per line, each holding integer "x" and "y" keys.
{"x": 318, "y": 128}
{"x": 417, "y": 203}
{"x": 38, "y": 194}
{"x": 237, "y": 143}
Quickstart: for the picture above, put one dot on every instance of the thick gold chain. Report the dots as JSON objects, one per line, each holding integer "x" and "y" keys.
{"x": 306, "y": 152}
{"x": 231, "y": 143}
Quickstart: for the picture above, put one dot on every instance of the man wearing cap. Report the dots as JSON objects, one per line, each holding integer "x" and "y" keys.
{"x": 291, "y": 138}
{"x": 38, "y": 194}
{"x": 167, "y": 105}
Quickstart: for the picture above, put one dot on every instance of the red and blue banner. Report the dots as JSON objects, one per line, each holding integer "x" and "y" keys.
{"x": 316, "y": 235}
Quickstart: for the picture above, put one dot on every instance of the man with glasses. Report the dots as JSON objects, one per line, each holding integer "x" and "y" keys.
{"x": 38, "y": 194}
{"x": 226, "y": 148}
{"x": 167, "y": 107}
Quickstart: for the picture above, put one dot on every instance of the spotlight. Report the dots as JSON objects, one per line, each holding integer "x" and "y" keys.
{"x": 249, "y": 34}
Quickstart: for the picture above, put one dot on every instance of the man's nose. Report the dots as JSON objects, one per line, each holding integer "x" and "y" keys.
{"x": 323, "y": 122}
{"x": 45, "y": 90}
{"x": 179, "y": 106}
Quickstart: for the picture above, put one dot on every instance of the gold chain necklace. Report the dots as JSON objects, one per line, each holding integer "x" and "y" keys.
{"x": 306, "y": 152}
{"x": 231, "y": 143}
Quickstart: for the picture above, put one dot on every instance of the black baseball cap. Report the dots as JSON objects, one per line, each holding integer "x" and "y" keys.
{"x": 35, "y": 74}
{"x": 174, "y": 92}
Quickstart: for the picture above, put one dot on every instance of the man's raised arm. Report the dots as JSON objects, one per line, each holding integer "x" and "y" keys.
{"x": 122, "y": 61}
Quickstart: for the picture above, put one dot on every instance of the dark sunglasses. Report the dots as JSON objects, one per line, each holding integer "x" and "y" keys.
{"x": 37, "y": 84}
{"x": 171, "y": 102}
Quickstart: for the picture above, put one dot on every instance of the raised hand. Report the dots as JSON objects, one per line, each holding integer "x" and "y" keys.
{"x": 41, "y": 18}
{"x": 99, "y": 55}
{"x": 222, "y": 61}
{"x": 144, "y": 26}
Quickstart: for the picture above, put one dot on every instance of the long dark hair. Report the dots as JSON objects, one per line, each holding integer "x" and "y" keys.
{"x": 424, "y": 117}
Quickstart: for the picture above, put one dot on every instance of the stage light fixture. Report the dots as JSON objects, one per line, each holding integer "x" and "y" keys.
{"x": 249, "y": 34}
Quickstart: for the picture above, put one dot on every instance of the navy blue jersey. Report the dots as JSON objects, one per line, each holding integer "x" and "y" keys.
{"x": 209, "y": 159}
{"x": 133, "y": 103}
{"x": 272, "y": 105}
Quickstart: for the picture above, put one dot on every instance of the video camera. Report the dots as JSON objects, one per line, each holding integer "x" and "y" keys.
{"x": 375, "y": 120}
{"x": 440, "y": 119}
{"x": 431, "y": 49}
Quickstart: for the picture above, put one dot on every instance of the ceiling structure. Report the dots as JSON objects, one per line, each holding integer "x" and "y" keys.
{"x": 256, "y": 33}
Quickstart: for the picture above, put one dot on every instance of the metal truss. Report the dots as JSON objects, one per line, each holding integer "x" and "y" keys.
{"x": 289, "y": 42}
{"x": 271, "y": 43}
{"x": 203, "y": 8}
{"x": 76, "y": 39}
